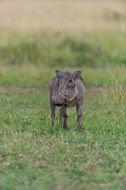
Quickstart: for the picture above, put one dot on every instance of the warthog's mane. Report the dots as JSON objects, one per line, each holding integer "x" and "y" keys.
{"x": 69, "y": 74}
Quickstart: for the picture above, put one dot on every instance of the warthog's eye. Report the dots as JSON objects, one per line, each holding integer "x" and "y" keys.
{"x": 70, "y": 81}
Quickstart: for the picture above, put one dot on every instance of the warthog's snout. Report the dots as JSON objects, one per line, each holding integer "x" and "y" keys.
{"x": 57, "y": 104}
{"x": 57, "y": 101}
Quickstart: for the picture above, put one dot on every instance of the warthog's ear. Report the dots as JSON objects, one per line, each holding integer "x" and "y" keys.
{"x": 76, "y": 74}
{"x": 58, "y": 73}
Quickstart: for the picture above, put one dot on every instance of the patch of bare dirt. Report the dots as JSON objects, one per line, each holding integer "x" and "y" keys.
{"x": 20, "y": 89}
{"x": 28, "y": 89}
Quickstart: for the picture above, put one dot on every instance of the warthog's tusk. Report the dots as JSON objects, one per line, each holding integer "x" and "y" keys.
{"x": 76, "y": 92}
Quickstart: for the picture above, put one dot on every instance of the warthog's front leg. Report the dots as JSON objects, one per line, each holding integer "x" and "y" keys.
{"x": 65, "y": 117}
{"x": 53, "y": 108}
{"x": 79, "y": 115}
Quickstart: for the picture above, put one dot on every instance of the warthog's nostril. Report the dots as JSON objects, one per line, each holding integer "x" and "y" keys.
{"x": 57, "y": 104}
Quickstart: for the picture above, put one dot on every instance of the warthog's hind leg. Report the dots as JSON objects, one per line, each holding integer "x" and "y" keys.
{"x": 79, "y": 115}
{"x": 65, "y": 117}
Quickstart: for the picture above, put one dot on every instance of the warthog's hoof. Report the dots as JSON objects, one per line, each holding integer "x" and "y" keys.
{"x": 80, "y": 128}
{"x": 65, "y": 127}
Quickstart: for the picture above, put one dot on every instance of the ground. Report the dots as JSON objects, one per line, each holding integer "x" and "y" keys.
{"x": 33, "y": 154}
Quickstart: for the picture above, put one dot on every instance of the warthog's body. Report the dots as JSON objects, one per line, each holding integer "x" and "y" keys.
{"x": 66, "y": 90}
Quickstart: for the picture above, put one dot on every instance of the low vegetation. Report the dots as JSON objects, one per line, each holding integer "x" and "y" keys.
{"x": 35, "y": 154}
{"x": 61, "y": 49}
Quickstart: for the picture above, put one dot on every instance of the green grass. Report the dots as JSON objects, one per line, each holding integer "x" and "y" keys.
{"x": 34, "y": 155}
{"x": 60, "y": 48}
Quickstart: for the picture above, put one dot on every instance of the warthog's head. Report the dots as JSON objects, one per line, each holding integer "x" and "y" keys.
{"x": 67, "y": 89}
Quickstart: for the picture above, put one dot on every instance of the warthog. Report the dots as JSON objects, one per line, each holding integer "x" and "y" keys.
{"x": 66, "y": 90}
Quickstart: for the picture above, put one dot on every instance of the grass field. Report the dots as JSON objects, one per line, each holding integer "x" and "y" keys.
{"x": 35, "y": 39}
{"x": 34, "y": 155}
